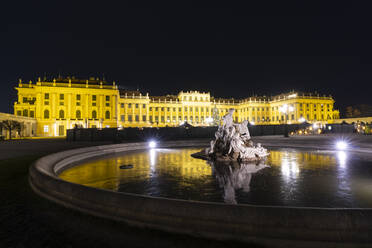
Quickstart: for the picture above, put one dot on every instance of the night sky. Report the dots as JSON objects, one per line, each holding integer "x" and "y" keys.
{"x": 229, "y": 50}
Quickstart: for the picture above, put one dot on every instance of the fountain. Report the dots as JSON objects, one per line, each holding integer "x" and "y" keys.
{"x": 233, "y": 143}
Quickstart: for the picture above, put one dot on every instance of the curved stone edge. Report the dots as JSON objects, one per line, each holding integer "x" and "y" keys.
{"x": 267, "y": 225}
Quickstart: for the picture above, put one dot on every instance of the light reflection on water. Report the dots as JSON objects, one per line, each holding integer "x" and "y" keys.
{"x": 288, "y": 177}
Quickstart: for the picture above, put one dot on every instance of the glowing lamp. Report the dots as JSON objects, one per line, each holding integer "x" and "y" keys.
{"x": 152, "y": 144}
{"x": 341, "y": 145}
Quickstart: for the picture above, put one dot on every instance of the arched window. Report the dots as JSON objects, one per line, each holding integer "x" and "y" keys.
{"x": 94, "y": 114}
{"x": 61, "y": 114}
{"x": 107, "y": 115}
{"x": 78, "y": 114}
{"x": 46, "y": 114}
{"x": 25, "y": 112}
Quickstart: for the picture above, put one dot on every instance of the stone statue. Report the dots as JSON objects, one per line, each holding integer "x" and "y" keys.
{"x": 233, "y": 143}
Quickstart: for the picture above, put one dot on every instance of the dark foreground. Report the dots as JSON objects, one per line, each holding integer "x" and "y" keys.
{"x": 27, "y": 220}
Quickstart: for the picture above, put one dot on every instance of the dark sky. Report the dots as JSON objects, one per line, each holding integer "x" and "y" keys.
{"x": 229, "y": 50}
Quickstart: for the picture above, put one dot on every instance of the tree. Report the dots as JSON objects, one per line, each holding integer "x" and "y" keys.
{"x": 11, "y": 125}
{"x": 356, "y": 113}
{"x": 349, "y": 112}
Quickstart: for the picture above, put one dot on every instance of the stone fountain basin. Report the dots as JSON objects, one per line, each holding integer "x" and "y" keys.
{"x": 266, "y": 225}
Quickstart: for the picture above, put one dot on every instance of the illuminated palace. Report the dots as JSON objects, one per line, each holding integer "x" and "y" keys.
{"x": 64, "y": 103}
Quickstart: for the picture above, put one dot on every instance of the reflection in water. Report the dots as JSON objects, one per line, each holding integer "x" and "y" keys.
{"x": 233, "y": 176}
{"x": 341, "y": 156}
{"x": 295, "y": 177}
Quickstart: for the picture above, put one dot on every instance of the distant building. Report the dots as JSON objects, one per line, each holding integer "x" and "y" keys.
{"x": 65, "y": 103}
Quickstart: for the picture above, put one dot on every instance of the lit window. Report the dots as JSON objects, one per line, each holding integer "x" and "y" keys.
{"x": 46, "y": 129}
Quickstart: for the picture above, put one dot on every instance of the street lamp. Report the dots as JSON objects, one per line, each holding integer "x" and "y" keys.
{"x": 285, "y": 109}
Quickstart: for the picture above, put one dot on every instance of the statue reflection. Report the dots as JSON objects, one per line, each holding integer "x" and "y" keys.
{"x": 233, "y": 175}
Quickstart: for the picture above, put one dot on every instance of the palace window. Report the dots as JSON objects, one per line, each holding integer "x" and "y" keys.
{"x": 136, "y": 105}
{"x": 156, "y": 118}
{"x": 151, "y": 118}
{"x": 156, "y": 108}
{"x": 61, "y": 97}
{"x": 137, "y": 118}
{"x": 94, "y": 114}
{"x": 107, "y": 115}
{"x": 32, "y": 114}
{"x": 196, "y": 109}
{"x": 107, "y": 98}
{"x": 143, "y": 117}
{"x": 122, "y": 105}
{"x": 19, "y": 112}
{"x": 150, "y": 108}
{"x": 61, "y": 114}
{"x": 78, "y": 96}
{"x": 46, "y": 96}
{"x": 144, "y": 106}
{"x": 162, "y": 119}
{"x": 94, "y": 97}
{"x": 25, "y": 112}
{"x": 46, "y": 114}
{"x": 162, "y": 108}
{"x": 185, "y": 109}
{"x": 292, "y": 116}
{"x": 129, "y": 118}
{"x": 179, "y": 109}
{"x": 78, "y": 114}
{"x": 46, "y": 129}
{"x": 168, "y": 109}
{"x": 174, "y": 109}
{"x": 129, "y": 105}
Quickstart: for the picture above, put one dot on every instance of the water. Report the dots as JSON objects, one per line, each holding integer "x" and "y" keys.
{"x": 289, "y": 177}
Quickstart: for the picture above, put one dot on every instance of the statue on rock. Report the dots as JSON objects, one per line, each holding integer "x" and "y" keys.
{"x": 233, "y": 143}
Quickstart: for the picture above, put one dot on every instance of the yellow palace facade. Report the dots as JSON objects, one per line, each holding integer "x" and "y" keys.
{"x": 64, "y": 103}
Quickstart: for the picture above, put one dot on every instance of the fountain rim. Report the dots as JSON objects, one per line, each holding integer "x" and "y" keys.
{"x": 44, "y": 180}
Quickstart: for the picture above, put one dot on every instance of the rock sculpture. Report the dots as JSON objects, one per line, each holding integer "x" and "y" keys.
{"x": 233, "y": 143}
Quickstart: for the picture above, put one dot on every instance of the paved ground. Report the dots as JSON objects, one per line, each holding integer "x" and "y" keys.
{"x": 16, "y": 148}
{"x": 27, "y": 220}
